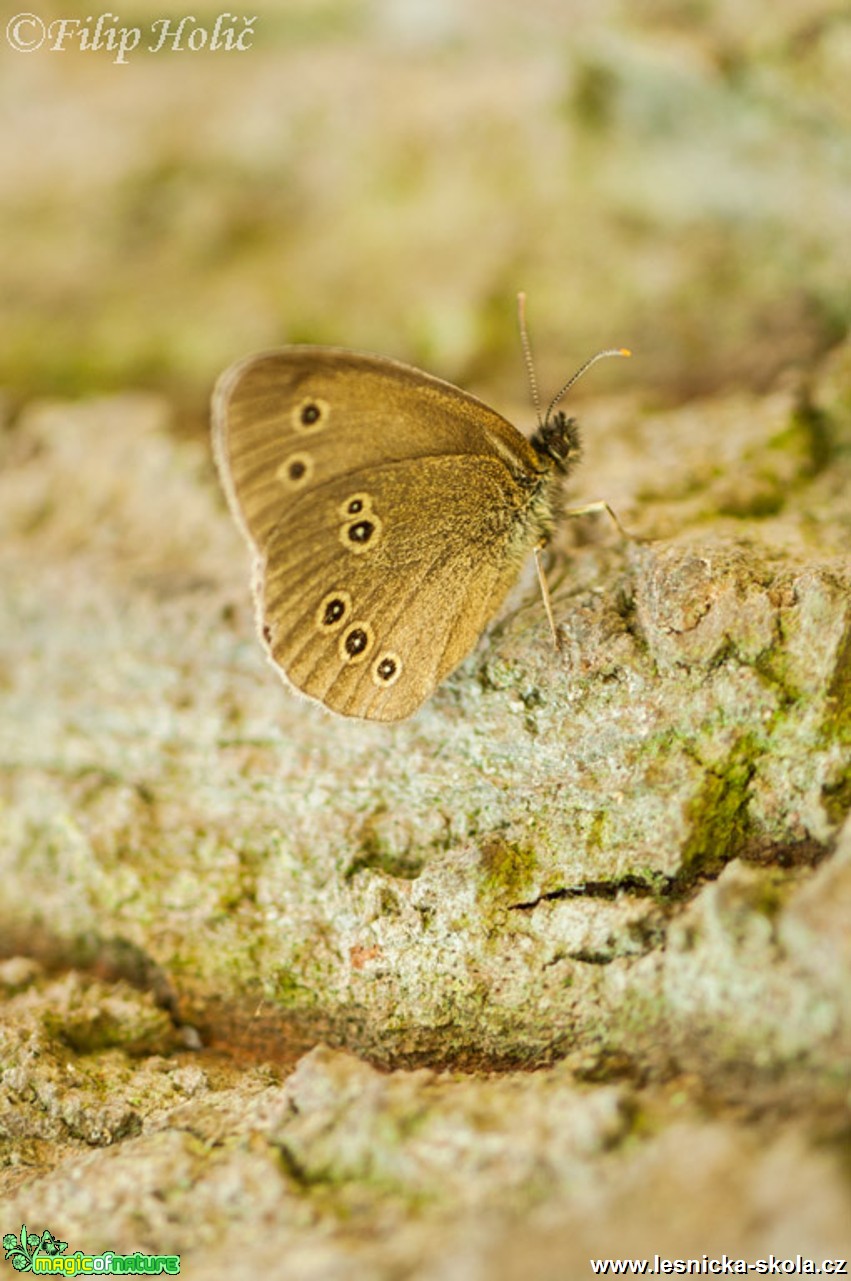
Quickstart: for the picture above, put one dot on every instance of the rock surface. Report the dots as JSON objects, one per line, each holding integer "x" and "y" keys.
{"x": 561, "y": 968}
{"x": 628, "y": 860}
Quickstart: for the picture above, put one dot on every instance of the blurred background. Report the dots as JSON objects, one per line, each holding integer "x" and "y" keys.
{"x": 386, "y": 174}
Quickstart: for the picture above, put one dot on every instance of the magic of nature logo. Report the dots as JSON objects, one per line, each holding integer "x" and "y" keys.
{"x": 45, "y": 1253}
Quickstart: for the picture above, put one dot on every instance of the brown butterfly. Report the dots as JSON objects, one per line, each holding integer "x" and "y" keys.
{"x": 388, "y": 514}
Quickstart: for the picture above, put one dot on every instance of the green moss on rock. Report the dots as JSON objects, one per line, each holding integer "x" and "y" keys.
{"x": 718, "y": 814}
{"x": 507, "y": 871}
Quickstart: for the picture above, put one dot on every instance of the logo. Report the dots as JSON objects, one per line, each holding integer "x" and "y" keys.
{"x": 24, "y": 1250}
{"x": 45, "y": 1254}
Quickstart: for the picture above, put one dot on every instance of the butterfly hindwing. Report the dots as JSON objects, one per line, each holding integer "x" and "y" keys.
{"x": 369, "y": 595}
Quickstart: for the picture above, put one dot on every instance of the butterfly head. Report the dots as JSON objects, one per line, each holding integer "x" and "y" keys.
{"x": 557, "y": 442}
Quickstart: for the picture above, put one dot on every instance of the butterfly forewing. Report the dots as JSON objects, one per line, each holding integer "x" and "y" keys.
{"x": 328, "y": 413}
{"x": 385, "y": 509}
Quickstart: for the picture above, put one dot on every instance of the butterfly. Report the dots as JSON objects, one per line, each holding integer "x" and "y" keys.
{"x": 388, "y": 513}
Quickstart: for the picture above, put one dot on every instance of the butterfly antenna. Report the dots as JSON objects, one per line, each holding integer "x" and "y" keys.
{"x": 527, "y": 356}
{"x": 609, "y": 351}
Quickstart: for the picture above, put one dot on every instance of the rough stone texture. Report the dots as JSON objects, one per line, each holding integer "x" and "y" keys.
{"x": 479, "y": 882}
{"x": 625, "y": 856}
{"x": 561, "y": 967}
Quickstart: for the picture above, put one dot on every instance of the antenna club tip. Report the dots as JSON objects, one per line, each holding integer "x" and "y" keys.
{"x": 624, "y": 351}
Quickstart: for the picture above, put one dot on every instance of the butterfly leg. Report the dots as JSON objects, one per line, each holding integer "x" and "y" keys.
{"x": 545, "y": 592}
{"x": 589, "y": 509}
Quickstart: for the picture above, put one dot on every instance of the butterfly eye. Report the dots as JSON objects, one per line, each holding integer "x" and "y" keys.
{"x": 355, "y": 505}
{"x": 358, "y": 535}
{"x": 333, "y": 611}
{"x": 310, "y": 414}
{"x": 361, "y": 531}
{"x": 295, "y": 471}
{"x": 356, "y": 642}
{"x": 386, "y": 669}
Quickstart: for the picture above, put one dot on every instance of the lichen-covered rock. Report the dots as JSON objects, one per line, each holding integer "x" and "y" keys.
{"x": 475, "y": 885}
{"x": 270, "y": 980}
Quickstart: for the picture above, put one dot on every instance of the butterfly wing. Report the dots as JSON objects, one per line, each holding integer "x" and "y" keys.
{"x": 391, "y": 599}
{"x": 386, "y": 512}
